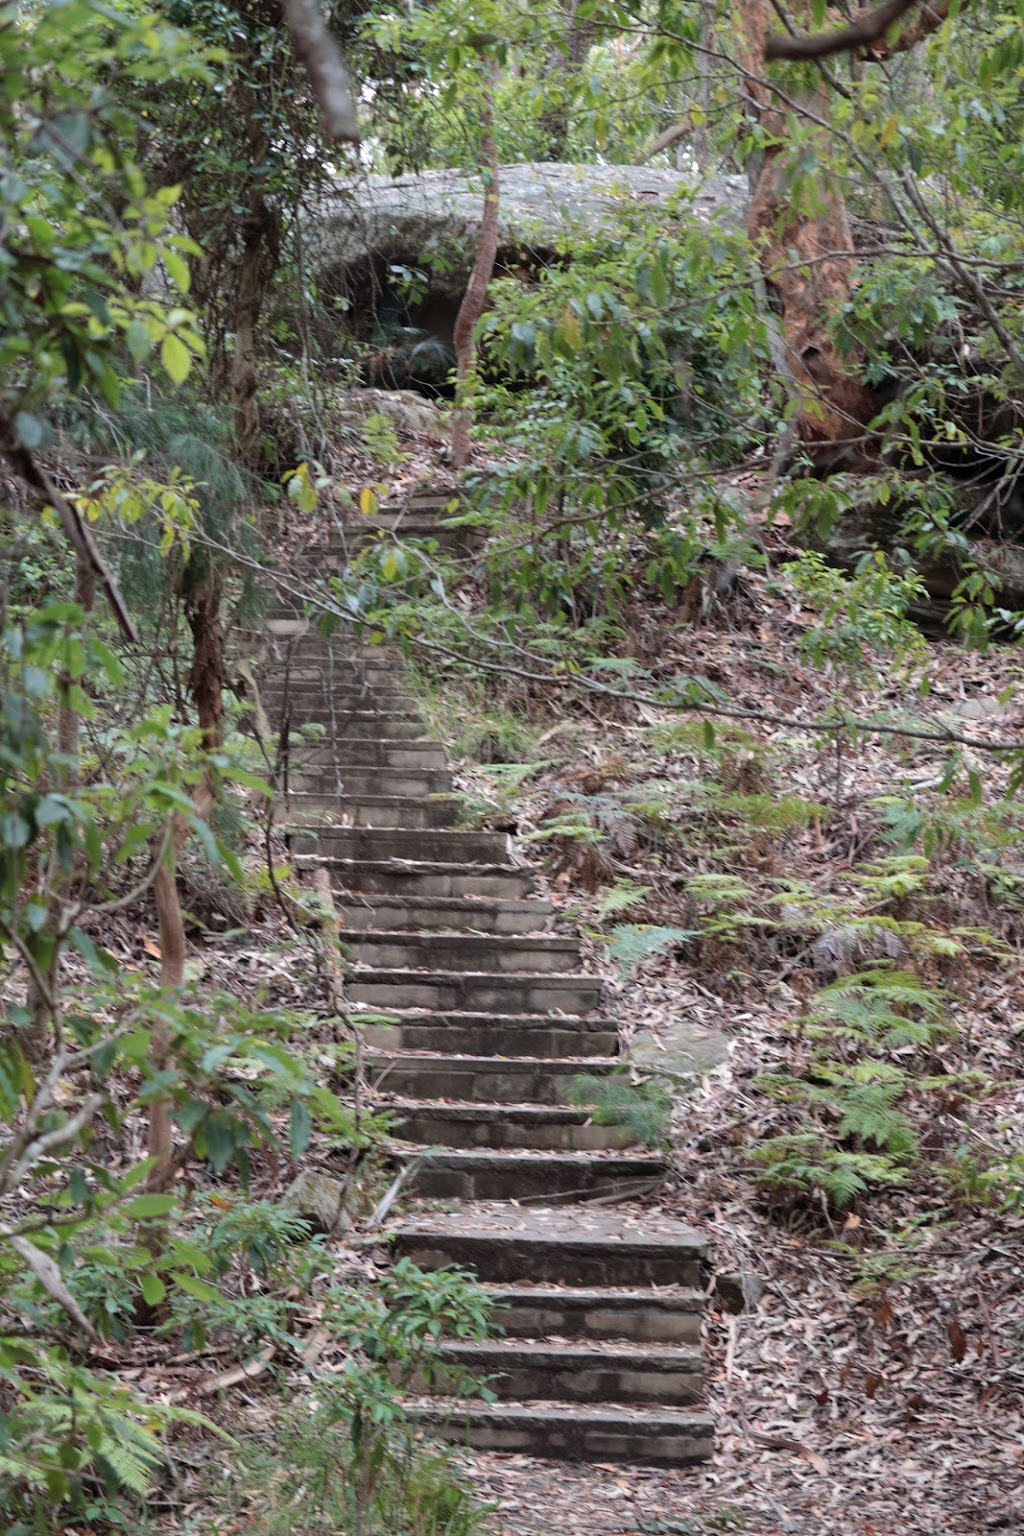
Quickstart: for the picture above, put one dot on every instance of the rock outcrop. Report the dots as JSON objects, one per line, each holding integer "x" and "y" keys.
{"x": 428, "y": 223}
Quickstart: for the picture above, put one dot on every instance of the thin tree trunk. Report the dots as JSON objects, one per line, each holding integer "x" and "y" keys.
{"x": 475, "y": 296}
{"x": 259, "y": 261}
{"x": 566, "y": 57}
{"x": 206, "y": 683}
{"x": 172, "y": 974}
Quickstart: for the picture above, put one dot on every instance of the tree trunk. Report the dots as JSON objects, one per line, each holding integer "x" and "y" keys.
{"x": 566, "y": 57}
{"x": 208, "y": 674}
{"x": 206, "y": 683}
{"x": 259, "y": 263}
{"x": 805, "y": 282}
{"x": 475, "y": 296}
{"x": 172, "y": 974}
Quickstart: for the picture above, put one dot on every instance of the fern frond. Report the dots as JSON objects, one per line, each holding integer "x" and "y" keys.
{"x": 633, "y": 943}
{"x": 620, "y": 897}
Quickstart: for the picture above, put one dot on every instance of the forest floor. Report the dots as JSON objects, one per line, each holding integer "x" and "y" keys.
{"x": 877, "y": 1385}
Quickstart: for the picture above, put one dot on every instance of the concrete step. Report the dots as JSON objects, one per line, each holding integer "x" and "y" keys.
{"x": 370, "y": 811}
{"x": 446, "y": 847}
{"x": 542, "y": 1127}
{"x": 453, "y": 1174}
{"x": 428, "y": 913}
{"x": 342, "y": 693}
{"x": 583, "y": 1246}
{"x": 539, "y": 954}
{"x": 358, "y": 752}
{"x": 359, "y": 724}
{"x": 412, "y": 877}
{"x": 668, "y": 1315}
{"x": 671, "y": 1437}
{"x": 475, "y": 991}
{"x": 545, "y": 1369}
{"x": 490, "y": 1034}
{"x": 326, "y": 747}
{"x": 481, "y": 1079}
{"x": 406, "y": 783}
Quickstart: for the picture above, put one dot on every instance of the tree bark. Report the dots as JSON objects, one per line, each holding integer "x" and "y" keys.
{"x": 475, "y": 296}
{"x": 258, "y": 265}
{"x": 325, "y": 64}
{"x": 566, "y": 57}
{"x": 805, "y": 282}
{"x": 804, "y": 274}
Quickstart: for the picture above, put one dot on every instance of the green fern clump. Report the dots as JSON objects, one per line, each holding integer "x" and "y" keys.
{"x": 642, "y": 1107}
{"x": 879, "y": 1010}
{"x": 804, "y": 1163}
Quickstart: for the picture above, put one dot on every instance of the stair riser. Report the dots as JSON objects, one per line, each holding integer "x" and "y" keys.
{"x": 571, "y": 1440}
{"x": 437, "y": 847}
{"x": 516, "y": 1180}
{"x": 309, "y": 674}
{"x": 380, "y": 879}
{"x": 641, "y": 1321}
{"x": 348, "y": 725}
{"x": 360, "y": 754}
{"x": 508, "y": 1083}
{"x": 559, "y": 1263}
{"x": 323, "y": 696}
{"x": 601, "y": 1382}
{"x": 336, "y": 557}
{"x": 475, "y": 994}
{"x": 469, "y": 954}
{"x": 348, "y": 810}
{"x": 492, "y": 1040}
{"x": 379, "y": 781}
{"x": 481, "y": 917}
{"x": 441, "y": 1131}
{"x": 333, "y": 744}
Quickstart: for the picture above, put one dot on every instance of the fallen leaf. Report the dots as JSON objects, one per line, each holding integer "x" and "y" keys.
{"x": 957, "y": 1340}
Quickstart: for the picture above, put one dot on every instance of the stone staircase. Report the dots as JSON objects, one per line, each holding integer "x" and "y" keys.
{"x": 492, "y": 1018}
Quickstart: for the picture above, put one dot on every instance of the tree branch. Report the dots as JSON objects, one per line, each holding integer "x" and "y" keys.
{"x": 325, "y": 64}
{"x": 869, "y": 28}
{"x": 76, "y": 529}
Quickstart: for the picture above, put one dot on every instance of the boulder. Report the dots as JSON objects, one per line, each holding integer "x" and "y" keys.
{"x": 320, "y": 1199}
{"x": 428, "y": 223}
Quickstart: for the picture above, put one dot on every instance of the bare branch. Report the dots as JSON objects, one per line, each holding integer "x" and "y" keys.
{"x": 328, "y": 72}
{"x": 76, "y": 529}
{"x": 47, "y": 1272}
{"x": 869, "y": 29}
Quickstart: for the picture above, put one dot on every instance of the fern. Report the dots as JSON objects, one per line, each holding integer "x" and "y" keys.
{"x": 880, "y": 1009}
{"x": 642, "y": 1107}
{"x": 633, "y": 943}
{"x": 620, "y": 897}
{"x": 802, "y": 1163}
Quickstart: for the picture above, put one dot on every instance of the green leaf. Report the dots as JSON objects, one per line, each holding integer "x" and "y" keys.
{"x": 31, "y": 429}
{"x": 138, "y": 341}
{"x": 193, "y": 1287}
{"x": 175, "y": 357}
{"x": 145, "y": 1207}
{"x": 300, "y": 1128}
{"x": 153, "y": 1289}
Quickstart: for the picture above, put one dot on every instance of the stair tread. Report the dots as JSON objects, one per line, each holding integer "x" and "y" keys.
{"x": 551, "y": 1410}
{"x": 411, "y": 1055}
{"x": 440, "y": 1016}
{"x": 566, "y": 1351}
{"x": 497, "y": 1157}
{"x": 474, "y": 1109}
{"x": 581, "y": 1224}
{"x": 681, "y": 1296}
